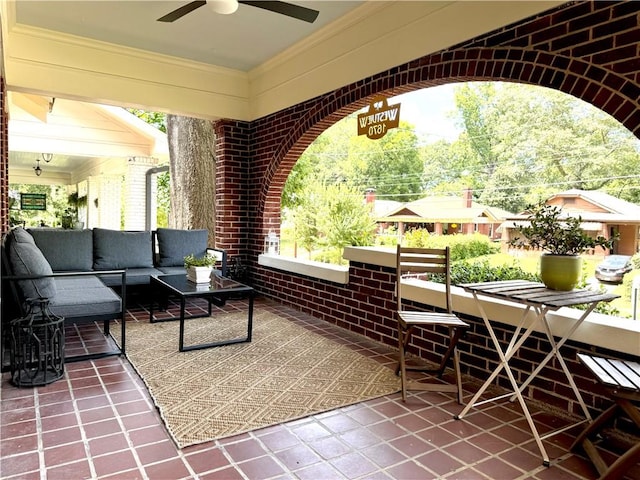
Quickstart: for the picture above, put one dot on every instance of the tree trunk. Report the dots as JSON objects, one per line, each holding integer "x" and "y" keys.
{"x": 193, "y": 174}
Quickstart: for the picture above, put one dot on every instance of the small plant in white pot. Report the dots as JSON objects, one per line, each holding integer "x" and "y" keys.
{"x": 199, "y": 268}
{"x": 562, "y": 239}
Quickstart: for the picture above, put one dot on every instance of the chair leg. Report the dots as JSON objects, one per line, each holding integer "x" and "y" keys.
{"x": 618, "y": 468}
{"x": 454, "y": 336}
{"x": 631, "y": 457}
{"x": 403, "y": 343}
{"x": 456, "y": 368}
{"x": 401, "y": 363}
{"x": 595, "y": 426}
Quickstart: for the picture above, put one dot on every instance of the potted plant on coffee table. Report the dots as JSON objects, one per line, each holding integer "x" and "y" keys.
{"x": 563, "y": 241}
{"x": 199, "y": 268}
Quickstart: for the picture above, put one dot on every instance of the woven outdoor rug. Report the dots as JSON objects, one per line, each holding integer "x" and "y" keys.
{"x": 286, "y": 372}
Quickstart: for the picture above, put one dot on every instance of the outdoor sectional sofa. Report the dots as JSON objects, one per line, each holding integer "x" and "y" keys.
{"x": 84, "y": 274}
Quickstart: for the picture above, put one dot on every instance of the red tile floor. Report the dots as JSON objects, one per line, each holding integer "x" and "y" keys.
{"x": 99, "y": 422}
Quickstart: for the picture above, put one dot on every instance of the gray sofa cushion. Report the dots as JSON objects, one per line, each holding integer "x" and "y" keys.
{"x": 84, "y": 296}
{"x": 65, "y": 250}
{"x": 174, "y": 245}
{"x": 114, "y": 249}
{"x": 26, "y": 258}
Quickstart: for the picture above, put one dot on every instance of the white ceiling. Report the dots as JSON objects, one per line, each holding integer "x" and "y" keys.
{"x": 241, "y": 66}
{"x": 241, "y": 41}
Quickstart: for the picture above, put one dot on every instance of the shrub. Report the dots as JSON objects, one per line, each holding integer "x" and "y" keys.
{"x": 418, "y": 237}
{"x": 331, "y": 255}
{"x": 462, "y": 246}
{"x": 387, "y": 239}
{"x": 482, "y": 271}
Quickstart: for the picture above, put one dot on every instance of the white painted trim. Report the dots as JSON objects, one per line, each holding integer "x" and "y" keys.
{"x": 374, "y": 37}
{"x": 322, "y": 271}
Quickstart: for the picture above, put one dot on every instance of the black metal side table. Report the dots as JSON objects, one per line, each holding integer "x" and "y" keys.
{"x": 37, "y": 346}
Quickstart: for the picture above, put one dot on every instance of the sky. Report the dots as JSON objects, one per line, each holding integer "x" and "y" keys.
{"x": 429, "y": 110}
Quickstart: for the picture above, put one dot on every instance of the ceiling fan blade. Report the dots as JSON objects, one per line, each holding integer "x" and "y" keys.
{"x": 182, "y": 11}
{"x": 289, "y": 9}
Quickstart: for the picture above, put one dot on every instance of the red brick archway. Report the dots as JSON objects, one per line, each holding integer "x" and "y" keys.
{"x": 588, "y": 50}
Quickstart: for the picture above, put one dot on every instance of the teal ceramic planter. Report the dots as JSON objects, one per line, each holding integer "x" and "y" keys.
{"x": 560, "y": 272}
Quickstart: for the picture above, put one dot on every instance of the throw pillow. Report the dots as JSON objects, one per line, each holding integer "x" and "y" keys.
{"x": 26, "y": 259}
{"x": 174, "y": 245}
{"x": 65, "y": 250}
{"x": 116, "y": 249}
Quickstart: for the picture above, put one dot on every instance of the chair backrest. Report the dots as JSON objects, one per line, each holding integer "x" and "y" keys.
{"x": 423, "y": 263}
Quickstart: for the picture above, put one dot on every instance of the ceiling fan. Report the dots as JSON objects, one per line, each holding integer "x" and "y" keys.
{"x": 230, "y": 6}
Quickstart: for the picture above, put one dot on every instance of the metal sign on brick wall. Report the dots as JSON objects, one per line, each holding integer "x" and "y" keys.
{"x": 378, "y": 119}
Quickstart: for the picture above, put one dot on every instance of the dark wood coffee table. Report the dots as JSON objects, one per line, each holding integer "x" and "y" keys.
{"x": 217, "y": 292}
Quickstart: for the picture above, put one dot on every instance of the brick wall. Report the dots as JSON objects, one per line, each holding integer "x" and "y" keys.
{"x": 233, "y": 193}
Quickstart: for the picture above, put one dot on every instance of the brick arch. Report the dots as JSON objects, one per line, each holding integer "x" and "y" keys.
{"x": 605, "y": 89}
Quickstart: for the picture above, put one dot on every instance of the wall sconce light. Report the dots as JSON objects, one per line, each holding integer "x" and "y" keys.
{"x": 47, "y": 157}
{"x": 37, "y": 168}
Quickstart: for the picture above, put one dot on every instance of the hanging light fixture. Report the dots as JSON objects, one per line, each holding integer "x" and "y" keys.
{"x": 225, "y": 7}
{"x": 37, "y": 168}
{"x": 47, "y": 157}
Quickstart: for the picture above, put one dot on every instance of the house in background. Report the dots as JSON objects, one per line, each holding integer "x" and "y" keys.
{"x": 447, "y": 215}
{"x": 602, "y": 214}
{"x": 380, "y": 208}
{"x": 101, "y": 152}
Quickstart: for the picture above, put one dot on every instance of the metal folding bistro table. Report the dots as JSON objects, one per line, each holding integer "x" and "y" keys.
{"x": 541, "y": 300}
{"x": 218, "y": 291}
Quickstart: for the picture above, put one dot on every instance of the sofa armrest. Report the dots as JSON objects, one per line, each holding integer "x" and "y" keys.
{"x": 221, "y": 257}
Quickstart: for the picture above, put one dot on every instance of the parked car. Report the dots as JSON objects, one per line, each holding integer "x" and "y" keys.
{"x": 613, "y": 268}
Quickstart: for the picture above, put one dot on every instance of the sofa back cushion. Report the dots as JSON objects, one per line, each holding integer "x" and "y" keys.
{"x": 174, "y": 245}
{"x": 116, "y": 249}
{"x": 65, "y": 250}
{"x": 26, "y": 259}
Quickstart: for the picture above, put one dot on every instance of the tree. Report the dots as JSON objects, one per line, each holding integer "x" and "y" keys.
{"x": 346, "y": 219}
{"x": 193, "y": 173}
{"x": 306, "y": 169}
{"x": 329, "y": 217}
{"x": 56, "y": 203}
{"x": 392, "y": 164}
{"x": 525, "y": 143}
{"x": 157, "y": 119}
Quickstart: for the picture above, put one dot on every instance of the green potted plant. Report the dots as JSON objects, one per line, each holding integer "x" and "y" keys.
{"x": 70, "y": 217}
{"x": 563, "y": 241}
{"x": 199, "y": 268}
